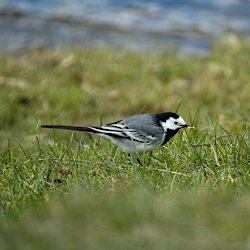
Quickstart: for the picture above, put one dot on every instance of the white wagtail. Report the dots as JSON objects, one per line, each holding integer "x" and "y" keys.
{"x": 136, "y": 134}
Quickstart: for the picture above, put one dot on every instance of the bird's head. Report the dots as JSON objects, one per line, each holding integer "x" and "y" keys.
{"x": 172, "y": 121}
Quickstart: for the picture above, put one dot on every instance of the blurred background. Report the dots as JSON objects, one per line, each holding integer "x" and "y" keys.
{"x": 72, "y": 61}
{"x": 190, "y": 25}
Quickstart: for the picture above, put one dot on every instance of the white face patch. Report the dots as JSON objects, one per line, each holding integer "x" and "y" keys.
{"x": 173, "y": 123}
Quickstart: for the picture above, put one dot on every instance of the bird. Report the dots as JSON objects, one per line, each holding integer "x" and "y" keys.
{"x": 136, "y": 134}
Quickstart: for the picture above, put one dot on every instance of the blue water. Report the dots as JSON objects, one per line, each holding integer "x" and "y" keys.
{"x": 190, "y": 25}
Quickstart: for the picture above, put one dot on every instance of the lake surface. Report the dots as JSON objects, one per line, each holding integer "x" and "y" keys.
{"x": 190, "y": 25}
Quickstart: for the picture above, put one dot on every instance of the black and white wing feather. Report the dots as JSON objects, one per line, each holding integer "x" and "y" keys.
{"x": 125, "y": 129}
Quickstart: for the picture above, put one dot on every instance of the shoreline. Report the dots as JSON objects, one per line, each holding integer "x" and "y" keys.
{"x": 22, "y": 29}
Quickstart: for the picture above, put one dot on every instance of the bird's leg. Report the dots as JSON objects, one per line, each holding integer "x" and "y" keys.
{"x": 138, "y": 159}
{"x": 129, "y": 156}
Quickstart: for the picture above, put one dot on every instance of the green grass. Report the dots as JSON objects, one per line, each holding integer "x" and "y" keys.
{"x": 63, "y": 190}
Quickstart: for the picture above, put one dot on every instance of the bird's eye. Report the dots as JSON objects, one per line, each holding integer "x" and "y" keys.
{"x": 175, "y": 123}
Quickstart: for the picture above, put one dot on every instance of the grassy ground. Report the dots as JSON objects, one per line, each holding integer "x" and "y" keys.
{"x": 63, "y": 190}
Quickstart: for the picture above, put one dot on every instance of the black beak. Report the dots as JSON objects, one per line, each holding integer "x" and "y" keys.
{"x": 187, "y": 126}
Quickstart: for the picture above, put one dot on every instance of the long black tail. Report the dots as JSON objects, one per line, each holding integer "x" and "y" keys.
{"x": 84, "y": 129}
